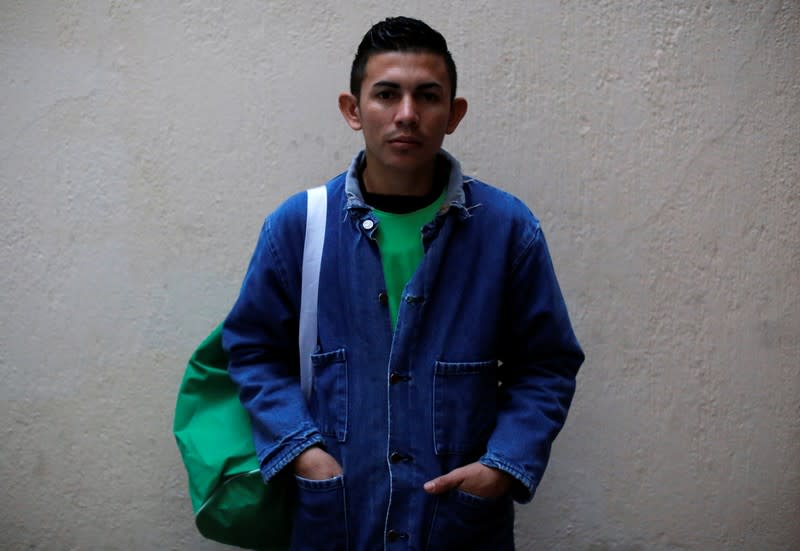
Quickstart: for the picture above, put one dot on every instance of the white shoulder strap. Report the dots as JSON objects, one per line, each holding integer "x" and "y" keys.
{"x": 316, "y": 213}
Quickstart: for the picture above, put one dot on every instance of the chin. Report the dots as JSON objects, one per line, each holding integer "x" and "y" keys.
{"x": 407, "y": 166}
{"x": 410, "y": 160}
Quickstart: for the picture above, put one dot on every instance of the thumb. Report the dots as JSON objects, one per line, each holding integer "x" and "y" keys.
{"x": 446, "y": 482}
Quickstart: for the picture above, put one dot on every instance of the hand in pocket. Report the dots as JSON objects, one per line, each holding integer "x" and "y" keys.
{"x": 476, "y": 479}
{"x": 316, "y": 464}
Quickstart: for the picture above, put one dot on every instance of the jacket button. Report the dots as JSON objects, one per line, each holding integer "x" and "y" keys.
{"x": 397, "y": 457}
{"x": 394, "y": 535}
{"x": 367, "y": 224}
{"x": 395, "y": 378}
{"x": 383, "y": 298}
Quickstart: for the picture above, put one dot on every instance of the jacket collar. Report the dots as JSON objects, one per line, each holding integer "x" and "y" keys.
{"x": 454, "y": 194}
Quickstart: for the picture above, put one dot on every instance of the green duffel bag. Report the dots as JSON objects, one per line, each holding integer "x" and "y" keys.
{"x": 231, "y": 502}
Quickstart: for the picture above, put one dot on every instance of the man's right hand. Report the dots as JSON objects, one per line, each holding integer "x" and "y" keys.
{"x": 316, "y": 464}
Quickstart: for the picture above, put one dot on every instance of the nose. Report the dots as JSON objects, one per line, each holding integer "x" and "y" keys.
{"x": 407, "y": 112}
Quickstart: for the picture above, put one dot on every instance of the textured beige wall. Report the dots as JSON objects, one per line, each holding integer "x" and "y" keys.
{"x": 141, "y": 144}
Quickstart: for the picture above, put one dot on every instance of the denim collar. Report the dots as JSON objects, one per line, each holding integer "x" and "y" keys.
{"x": 454, "y": 194}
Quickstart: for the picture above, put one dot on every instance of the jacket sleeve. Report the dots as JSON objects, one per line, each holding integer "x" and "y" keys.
{"x": 260, "y": 337}
{"x": 540, "y": 359}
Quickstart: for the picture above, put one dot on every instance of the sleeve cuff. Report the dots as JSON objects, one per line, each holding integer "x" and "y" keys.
{"x": 524, "y": 487}
{"x": 270, "y": 466}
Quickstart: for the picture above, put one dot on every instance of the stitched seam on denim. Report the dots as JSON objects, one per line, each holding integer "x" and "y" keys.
{"x": 281, "y": 269}
{"x": 537, "y": 232}
{"x": 344, "y": 513}
{"x": 433, "y": 521}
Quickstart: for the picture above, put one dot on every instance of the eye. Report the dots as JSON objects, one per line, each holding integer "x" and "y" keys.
{"x": 430, "y": 97}
{"x": 384, "y": 94}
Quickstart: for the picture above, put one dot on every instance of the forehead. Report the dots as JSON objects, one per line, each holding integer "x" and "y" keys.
{"x": 406, "y": 69}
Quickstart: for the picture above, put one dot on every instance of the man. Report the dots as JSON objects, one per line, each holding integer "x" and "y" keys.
{"x": 445, "y": 360}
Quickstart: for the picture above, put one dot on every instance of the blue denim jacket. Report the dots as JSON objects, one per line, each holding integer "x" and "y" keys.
{"x": 480, "y": 367}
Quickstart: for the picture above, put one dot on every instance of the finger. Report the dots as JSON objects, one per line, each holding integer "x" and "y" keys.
{"x": 444, "y": 483}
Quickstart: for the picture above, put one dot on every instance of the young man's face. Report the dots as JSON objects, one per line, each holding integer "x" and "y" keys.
{"x": 404, "y": 110}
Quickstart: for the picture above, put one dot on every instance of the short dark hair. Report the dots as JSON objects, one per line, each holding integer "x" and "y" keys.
{"x": 400, "y": 34}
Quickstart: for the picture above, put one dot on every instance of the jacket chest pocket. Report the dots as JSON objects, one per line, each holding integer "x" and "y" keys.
{"x": 464, "y": 405}
{"x": 328, "y": 400}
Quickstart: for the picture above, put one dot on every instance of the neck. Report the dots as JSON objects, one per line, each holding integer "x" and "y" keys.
{"x": 385, "y": 181}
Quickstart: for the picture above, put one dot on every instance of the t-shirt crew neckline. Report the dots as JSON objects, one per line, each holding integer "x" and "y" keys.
{"x": 406, "y": 204}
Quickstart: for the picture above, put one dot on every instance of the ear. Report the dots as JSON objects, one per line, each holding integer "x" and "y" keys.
{"x": 458, "y": 109}
{"x": 348, "y": 105}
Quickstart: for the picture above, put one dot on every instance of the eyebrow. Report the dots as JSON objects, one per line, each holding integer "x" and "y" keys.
{"x": 395, "y": 86}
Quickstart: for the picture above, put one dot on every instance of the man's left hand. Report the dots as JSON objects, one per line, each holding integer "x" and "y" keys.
{"x": 476, "y": 479}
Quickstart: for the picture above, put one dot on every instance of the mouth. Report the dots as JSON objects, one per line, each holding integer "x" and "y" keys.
{"x": 405, "y": 140}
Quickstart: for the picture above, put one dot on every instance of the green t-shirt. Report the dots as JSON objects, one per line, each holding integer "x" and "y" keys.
{"x": 400, "y": 242}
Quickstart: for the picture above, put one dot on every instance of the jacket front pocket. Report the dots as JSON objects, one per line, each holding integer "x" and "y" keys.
{"x": 320, "y": 520}
{"x": 464, "y": 402}
{"x": 328, "y": 400}
{"x": 466, "y": 521}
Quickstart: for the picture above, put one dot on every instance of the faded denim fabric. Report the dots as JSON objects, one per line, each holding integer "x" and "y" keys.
{"x": 480, "y": 367}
